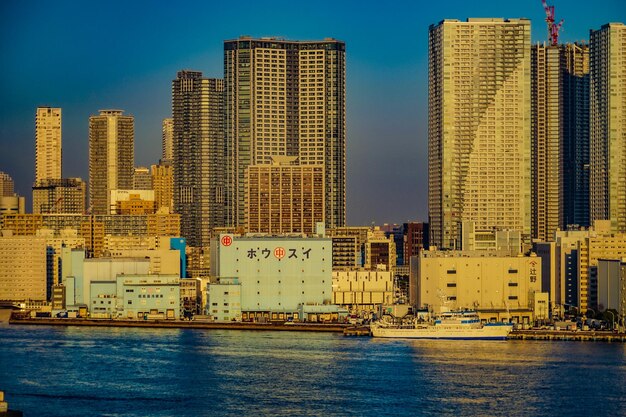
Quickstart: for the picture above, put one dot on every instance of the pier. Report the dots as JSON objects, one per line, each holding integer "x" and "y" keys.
{"x": 568, "y": 335}
{"x": 179, "y": 324}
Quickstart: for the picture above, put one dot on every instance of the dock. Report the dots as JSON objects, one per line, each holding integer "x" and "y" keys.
{"x": 568, "y": 335}
{"x": 180, "y": 324}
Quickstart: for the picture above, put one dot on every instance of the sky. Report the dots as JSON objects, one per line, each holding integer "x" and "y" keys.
{"x": 86, "y": 56}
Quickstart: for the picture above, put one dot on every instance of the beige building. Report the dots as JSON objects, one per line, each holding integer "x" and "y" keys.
{"x": 47, "y": 143}
{"x": 22, "y": 268}
{"x": 111, "y": 157}
{"x": 358, "y": 290}
{"x": 11, "y": 205}
{"x": 284, "y": 197}
{"x": 493, "y": 240}
{"x": 6, "y": 185}
{"x": 380, "y": 251}
{"x": 497, "y": 286}
{"x": 479, "y": 127}
{"x": 285, "y": 98}
{"x": 348, "y": 246}
{"x": 132, "y": 202}
{"x": 68, "y": 238}
{"x": 142, "y": 178}
{"x": 167, "y": 153}
{"x": 607, "y": 125}
{"x": 163, "y": 261}
{"x": 547, "y": 119}
{"x": 64, "y": 195}
{"x": 114, "y": 244}
{"x": 163, "y": 185}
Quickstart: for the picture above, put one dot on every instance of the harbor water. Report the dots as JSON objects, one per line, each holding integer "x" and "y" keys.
{"x": 77, "y": 371}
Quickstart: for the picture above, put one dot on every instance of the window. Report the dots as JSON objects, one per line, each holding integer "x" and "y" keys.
{"x": 130, "y": 301}
{"x": 512, "y": 284}
{"x": 451, "y": 271}
{"x": 451, "y": 284}
{"x": 512, "y": 297}
{"x": 512, "y": 271}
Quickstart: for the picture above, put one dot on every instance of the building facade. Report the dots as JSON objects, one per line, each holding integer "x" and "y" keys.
{"x": 498, "y": 286}
{"x": 23, "y": 268}
{"x": 142, "y": 178}
{"x": 547, "y": 198}
{"x": 283, "y": 197}
{"x": 575, "y": 124}
{"x": 111, "y": 157}
{"x": 285, "y": 98}
{"x": 48, "y": 148}
{"x": 63, "y": 196}
{"x": 198, "y": 154}
{"x": 479, "y": 125}
{"x": 276, "y": 275}
{"x": 607, "y": 125}
{"x": 7, "y": 185}
{"x": 163, "y": 185}
{"x": 358, "y": 290}
{"x": 167, "y": 153}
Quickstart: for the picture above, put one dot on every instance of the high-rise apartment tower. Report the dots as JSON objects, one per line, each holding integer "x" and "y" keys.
{"x": 547, "y": 201}
{"x": 198, "y": 153}
{"x": 47, "y": 143}
{"x": 607, "y": 125}
{"x": 285, "y": 98}
{"x": 111, "y": 157}
{"x": 168, "y": 136}
{"x": 479, "y": 147}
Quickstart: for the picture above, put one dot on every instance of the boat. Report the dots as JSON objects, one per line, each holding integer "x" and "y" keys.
{"x": 463, "y": 324}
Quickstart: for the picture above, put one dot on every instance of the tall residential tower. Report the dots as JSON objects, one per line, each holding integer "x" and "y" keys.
{"x": 47, "y": 143}
{"x": 479, "y": 113}
{"x": 198, "y": 153}
{"x": 285, "y": 98}
{"x": 607, "y": 125}
{"x": 111, "y": 157}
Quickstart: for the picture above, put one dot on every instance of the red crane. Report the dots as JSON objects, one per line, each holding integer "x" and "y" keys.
{"x": 553, "y": 29}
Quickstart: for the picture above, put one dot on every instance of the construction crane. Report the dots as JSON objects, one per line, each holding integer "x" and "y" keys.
{"x": 553, "y": 29}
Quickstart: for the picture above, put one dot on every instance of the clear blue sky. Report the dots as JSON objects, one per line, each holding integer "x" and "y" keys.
{"x": 85, "y": 56}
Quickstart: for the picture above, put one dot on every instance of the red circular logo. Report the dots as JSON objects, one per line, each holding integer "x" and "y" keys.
{"x": 279, "y": 252}
{"x": 227, "y": 240}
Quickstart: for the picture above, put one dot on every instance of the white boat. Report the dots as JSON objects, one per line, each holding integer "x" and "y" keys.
{"x": 448, "y": 325}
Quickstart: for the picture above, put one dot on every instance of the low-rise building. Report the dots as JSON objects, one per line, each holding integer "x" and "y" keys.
{"x": 190, "y": 295}
{"x": 498, "y": 286}
{"x": 360, "y": 290}
{"x": 23, "y": 268}
{"x": 276, "y": 275}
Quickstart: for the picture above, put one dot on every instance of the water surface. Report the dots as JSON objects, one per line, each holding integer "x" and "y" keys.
{"x": 78, "y": 371}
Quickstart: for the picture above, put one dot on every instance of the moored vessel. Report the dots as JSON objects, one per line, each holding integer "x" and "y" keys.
{"x": 447, "y": 325}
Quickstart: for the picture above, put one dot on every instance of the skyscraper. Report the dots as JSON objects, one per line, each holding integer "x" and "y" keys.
{"x": 575, "y": 125}
{"x": 285, "y": 98}
{"x": 111, "y": 157}
{"x": 47, "y": 143}
{"x": 168, "y": 135}
{"x": 198, "y": 151}
{"x": 607, "y": 125}
{"x": 547, "y": 202}
{"x": 479, "y": 148}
